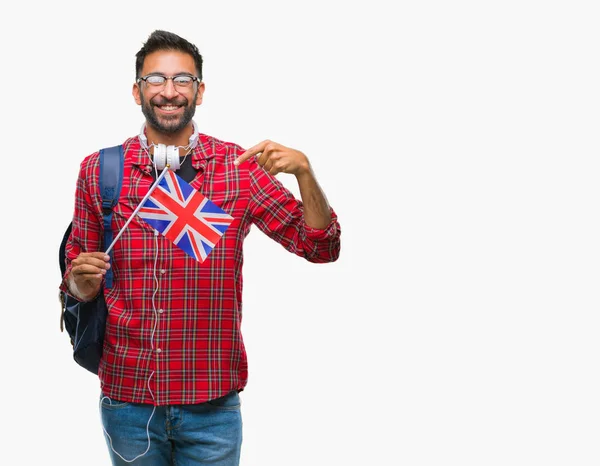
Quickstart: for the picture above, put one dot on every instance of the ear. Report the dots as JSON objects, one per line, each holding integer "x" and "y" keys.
{"x": 200, "y": 93}
{"x": 136, "y": 93}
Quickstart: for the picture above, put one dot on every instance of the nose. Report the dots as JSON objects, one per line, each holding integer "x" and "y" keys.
{"x": 169, "y": 90}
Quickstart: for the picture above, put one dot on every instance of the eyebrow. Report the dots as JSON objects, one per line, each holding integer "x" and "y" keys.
{"x": 159, "y": 73}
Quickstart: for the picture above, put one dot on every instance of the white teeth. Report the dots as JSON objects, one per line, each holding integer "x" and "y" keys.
{"x": 169, "y": 107}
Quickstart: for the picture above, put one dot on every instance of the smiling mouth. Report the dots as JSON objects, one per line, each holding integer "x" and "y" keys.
{"x": 169, "y": 108}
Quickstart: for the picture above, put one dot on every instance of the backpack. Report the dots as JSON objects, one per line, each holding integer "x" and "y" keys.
{"x": 85, "y": 322}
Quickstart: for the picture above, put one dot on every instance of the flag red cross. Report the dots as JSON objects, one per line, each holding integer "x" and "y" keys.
{"x": 185, "y": 215}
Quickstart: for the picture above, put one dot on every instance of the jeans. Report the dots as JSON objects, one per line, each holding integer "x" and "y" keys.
{"x": 200, "y": 434}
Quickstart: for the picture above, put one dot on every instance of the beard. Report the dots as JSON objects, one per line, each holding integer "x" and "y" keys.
{"x": 172, "y": 124}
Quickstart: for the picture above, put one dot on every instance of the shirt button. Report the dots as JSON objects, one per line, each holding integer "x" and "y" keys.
{"x": 158, "y": 350}
{"x": 160, "y": 311}
{"x": 163, "y": 271}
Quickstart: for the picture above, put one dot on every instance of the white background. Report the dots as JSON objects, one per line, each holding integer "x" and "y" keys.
{"x": 458, "y": 143}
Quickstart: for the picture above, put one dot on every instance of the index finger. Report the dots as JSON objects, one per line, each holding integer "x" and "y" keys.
{"x": 96, "y": 254}
{"x": 96, "y": 259}
{"x": 258, "y": 148}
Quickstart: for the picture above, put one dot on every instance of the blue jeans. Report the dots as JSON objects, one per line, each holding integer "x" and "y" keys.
{"x": 202, "y": 434}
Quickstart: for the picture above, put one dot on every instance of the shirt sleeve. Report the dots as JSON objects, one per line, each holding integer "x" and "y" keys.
{"x": 86, "y": 224}
{"x": 278, "y": 214}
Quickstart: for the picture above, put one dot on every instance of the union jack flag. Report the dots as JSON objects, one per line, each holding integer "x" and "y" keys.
{"x": 185, "y": 216}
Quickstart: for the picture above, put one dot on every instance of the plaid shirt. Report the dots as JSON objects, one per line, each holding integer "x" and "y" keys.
{"x": 173, "y": 334}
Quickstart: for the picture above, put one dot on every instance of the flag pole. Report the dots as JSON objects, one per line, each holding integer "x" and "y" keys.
{"x": 150, "y": 191}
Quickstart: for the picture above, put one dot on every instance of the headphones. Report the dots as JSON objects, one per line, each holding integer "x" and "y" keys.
{"x": 168, "y": 155}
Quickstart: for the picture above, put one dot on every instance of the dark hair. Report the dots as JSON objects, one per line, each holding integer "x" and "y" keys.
{"x": 164, "y": 40}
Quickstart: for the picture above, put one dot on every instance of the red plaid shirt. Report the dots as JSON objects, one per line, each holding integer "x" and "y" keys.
{"x": 181, "y": 343}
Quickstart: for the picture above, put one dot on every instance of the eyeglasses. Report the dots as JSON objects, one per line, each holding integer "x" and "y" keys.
{"x": 158, "y": 80}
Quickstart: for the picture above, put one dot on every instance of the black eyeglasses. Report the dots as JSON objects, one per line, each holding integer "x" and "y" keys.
{"x": 158, "y": 80}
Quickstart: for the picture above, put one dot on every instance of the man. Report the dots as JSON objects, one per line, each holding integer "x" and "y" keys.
{"x": 173, "y": 360}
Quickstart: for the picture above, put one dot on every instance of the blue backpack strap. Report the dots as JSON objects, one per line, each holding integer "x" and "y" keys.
{"x": 111, "y": 178}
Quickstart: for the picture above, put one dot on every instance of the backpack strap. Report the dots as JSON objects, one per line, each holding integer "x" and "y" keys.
{"x": 111, "y": 179}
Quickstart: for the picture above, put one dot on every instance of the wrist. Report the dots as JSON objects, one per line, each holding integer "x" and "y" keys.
{"x": 304, "y": 171}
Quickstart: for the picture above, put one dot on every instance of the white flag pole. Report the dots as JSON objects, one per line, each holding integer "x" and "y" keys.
{"x": 150, "y": 191}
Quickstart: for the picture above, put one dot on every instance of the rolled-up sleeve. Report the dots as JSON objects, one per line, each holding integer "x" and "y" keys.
{"x": 278, "y": 214}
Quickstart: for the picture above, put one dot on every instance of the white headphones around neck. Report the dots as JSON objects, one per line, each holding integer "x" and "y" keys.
{"x": 168, "y": 155}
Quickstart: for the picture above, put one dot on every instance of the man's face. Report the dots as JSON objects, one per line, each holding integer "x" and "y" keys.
{"x": 168, "y": 108}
